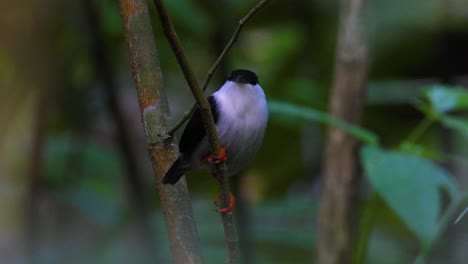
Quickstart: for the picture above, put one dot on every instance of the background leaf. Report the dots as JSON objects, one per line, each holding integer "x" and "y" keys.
{"x": 300, "y": 112}
{"x": 422, "y": 151}
{"x": 455, "y": 123}
{"x": 411, "y": 187}
{"x": 444, "y": 99}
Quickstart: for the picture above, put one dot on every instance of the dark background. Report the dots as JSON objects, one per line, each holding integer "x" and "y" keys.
{"x": 75, "y": 191}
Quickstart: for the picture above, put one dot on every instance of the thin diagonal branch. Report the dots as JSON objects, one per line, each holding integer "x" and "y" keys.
{"x": 175, "y": 200}
{"x": 192, "y": 82}
{"x": 223, "y": 54}
{"x": 202, "y": 103}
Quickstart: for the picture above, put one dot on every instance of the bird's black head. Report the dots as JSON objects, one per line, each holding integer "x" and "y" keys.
{"x": 243, "y": 76}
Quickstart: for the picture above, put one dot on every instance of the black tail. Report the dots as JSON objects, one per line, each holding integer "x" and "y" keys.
{"x": 176, "y": 171}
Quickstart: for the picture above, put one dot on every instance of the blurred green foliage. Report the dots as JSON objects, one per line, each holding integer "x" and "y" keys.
{"x": 301, "y": 113}
{"x": 411, "y": 188}
{"x": 416, "y": 99}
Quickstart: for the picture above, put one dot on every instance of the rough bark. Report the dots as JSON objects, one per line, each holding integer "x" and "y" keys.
{"x": 175, "y": 200}
{"x": 219, "y": 169}
{"x": 105, "y": 72}
{"x": 340, "y": 165}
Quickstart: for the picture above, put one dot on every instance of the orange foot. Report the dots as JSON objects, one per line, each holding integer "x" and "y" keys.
{"x": 215, "y": 160}
{"x": 228, "y": 209}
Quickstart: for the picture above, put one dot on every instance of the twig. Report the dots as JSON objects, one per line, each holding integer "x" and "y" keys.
{"x": 213, "y": 68}
{"x": 203, "y": 105}
{"x": 197, "y": 92}
{"x": 463, "y": 213}
{"x": 219, "y": 169}
{"x": 417, "y": 132}
{"x": 175, "y": 200}
{"x": 445, "y": 220}
{"x": 366, "y": 225}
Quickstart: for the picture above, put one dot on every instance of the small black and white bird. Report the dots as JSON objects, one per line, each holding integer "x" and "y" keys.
{"x": 240, "y": 113}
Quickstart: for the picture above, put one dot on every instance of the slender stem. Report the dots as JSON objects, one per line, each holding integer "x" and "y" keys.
{"x": 419, "y": 129}
{"x": 210, "y": 128}
{"x": 213, "y": 68}
{"x": 365, "y": 229}
{"x": 461, "y": 215}
{"x": 192, "y": 82}
{"x": 447, "y": 218}
{"x": 175, "y": 200}
{"x": 183, "y": 119}
{"x": 233, "y": 40}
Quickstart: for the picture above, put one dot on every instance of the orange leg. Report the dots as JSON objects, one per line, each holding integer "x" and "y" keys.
{"x": 215, "y": 160}
{"x": 230, "y": 207}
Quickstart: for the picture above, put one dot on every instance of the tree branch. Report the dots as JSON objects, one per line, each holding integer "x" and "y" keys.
{"x": 175, "y": 200}
{"x": 340, "y": 166}
{"x": 105, "y": 72}
{"x": 197, "y": 92}
{"x": 213, "y": 68}
{"x": 202, "y": 103}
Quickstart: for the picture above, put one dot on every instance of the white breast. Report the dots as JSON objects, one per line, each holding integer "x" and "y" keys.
{"x": 242, "y": 121}
{"x": 243, "y": 116}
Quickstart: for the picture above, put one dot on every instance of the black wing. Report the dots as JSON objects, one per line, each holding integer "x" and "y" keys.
{"x": 194, "y": 132}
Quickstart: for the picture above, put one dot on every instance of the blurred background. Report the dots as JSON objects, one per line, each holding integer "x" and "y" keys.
{"x": 76, "y": 184}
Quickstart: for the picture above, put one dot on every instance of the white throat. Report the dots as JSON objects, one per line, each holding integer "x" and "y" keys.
{"x": 239, "y": 100}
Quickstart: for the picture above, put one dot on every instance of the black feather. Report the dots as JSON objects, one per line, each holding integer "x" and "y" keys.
{"x": 243, "y": 76}
{"x": 193, "y": 134}
{"x": 176, "y": 171}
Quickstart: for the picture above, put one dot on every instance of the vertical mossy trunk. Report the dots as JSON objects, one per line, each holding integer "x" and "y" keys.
{"x": 175, "y": 200}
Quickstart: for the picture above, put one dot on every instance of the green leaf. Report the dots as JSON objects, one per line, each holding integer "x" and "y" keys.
{"x": 394, "y": 92}
{"x": 455, "y": 123}
{"x": 422, "y": 151}
{"x": 410, "y": 185}
{"x": 305, "y": 113}
{"x": 444, "y": 99}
